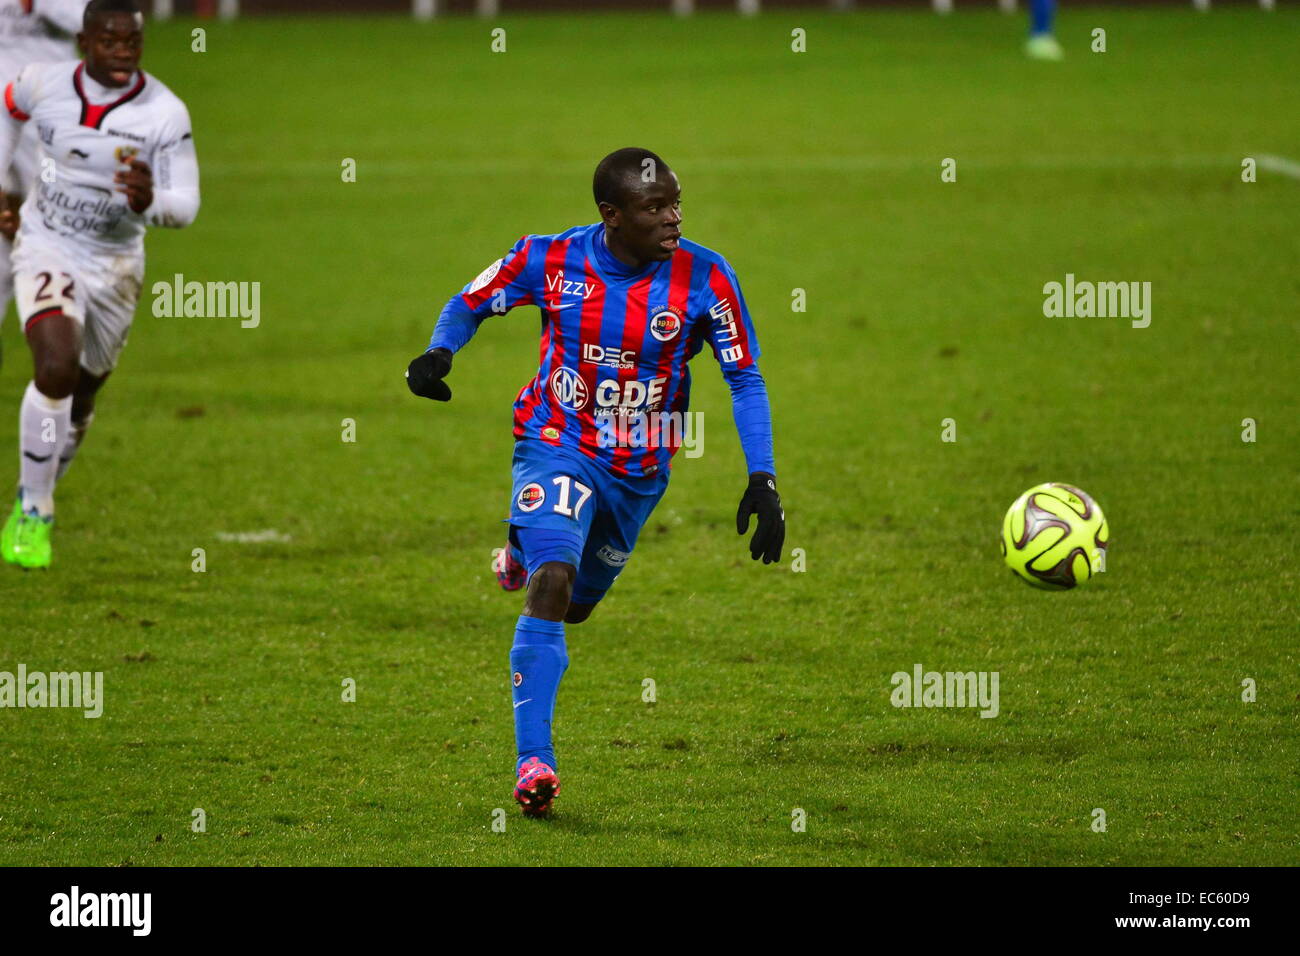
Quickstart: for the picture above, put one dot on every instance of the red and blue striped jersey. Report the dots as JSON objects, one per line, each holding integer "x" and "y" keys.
{"x": 615, "y": 341}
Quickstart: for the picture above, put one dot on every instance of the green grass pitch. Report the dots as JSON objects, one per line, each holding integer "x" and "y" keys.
{"x": 817, "y": 171}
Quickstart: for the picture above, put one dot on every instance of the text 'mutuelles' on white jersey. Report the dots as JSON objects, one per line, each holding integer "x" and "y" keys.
{"x": 37, "y": 31}
{"x": 86, "y": 134}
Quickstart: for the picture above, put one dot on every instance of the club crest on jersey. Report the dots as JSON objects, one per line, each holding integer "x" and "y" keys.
{"x": 124, "y": 154}
{"x": 551, "y": 432}
{"x": 530, "y": 497}
{"x": 665, "y": 324}
{"x": 486, "y": 276}
{"x": 569, "y": 388}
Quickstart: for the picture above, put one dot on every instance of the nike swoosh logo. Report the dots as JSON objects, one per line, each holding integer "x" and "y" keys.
{"x": 521, "y": 703}
{"x": 37, "y": 458}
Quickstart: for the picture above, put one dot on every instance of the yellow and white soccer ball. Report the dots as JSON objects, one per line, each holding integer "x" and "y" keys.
{"x": 1054, "y": 536}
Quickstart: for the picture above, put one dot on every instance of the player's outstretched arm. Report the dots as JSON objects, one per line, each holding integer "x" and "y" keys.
{"x": 499, "y": 288}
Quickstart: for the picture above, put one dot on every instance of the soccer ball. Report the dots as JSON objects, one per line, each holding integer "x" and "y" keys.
{"x": 1055, "y": 537}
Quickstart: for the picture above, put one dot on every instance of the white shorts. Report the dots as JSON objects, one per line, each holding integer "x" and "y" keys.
{"x": 100, "y": 297}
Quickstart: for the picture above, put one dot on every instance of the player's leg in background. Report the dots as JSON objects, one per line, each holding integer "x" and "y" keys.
{"x": 109, "y": 302}
{"x": 609, "y": 545}
{"x": 601, "y": 562}
{"x": 83, "y": 414}
{"x": 1042, "y": 44}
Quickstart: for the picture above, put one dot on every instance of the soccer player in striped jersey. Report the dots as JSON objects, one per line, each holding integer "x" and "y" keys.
{"x": 115, "y": 155}
{"x": 31, "y": 31}
{"x": 625, "y": 303}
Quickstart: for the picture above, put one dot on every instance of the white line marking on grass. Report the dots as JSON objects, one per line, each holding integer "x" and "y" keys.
{"x": 253, "y": 537}
{"x": 1280, "y": 164}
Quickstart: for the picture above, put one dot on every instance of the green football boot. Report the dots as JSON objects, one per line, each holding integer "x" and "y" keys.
{"x": 10, "y": 531}
{"x": 1043, "y": 46}
{"x": 29, "y": 546}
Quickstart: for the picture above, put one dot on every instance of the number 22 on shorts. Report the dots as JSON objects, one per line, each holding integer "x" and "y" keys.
{"x": 54, "y": 292}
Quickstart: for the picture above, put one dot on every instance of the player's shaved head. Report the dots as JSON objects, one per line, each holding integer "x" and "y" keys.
{"x": 97, "y": 9}
{"x": 623, "y": 172}
{"x": 640, "y": 202}
{"x": 111, "y": 40}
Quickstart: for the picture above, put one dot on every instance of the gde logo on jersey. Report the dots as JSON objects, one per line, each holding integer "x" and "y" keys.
{"x": 633, "y": 394}
{"x": 665, "y": 325}
{"x": 568, "y": 388}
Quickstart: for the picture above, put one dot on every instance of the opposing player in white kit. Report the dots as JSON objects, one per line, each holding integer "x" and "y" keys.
{"x": 120, "y": 156}
{"x": 31, "y": 31}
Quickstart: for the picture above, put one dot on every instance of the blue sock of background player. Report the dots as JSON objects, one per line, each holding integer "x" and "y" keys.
{"x": 1041, "y": 15}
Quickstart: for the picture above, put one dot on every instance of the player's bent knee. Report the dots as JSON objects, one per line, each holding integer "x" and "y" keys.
{"x": 577, "y": 613}
{"x": 56, "y": 375}
{"x": 549, "y": 589}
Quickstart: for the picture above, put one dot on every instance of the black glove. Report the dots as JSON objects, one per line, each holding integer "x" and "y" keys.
{"x": 760, "y": 498}
{"x": 425, "y": 374}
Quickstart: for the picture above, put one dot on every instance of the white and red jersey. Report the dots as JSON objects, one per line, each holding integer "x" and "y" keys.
{"x": 37, "y": 31}
{"x": 86, "y": 134}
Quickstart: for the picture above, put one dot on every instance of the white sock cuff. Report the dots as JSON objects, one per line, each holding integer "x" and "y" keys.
{"x": 44, "y": 402}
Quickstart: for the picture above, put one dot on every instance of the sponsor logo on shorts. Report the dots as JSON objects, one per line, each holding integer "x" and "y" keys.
{"x": 612, "y": 557}
{"x": 530, "y": 497}
{"x": 665, "y": 325}
{"x": 568, "y": 388}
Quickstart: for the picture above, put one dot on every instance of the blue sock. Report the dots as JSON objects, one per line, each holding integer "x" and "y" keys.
{"x": 1041, "y": 14}
{"x": 537, "y": 662}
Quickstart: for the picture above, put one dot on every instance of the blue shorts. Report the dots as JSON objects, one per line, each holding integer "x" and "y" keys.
{"x": 566, "y": 507}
